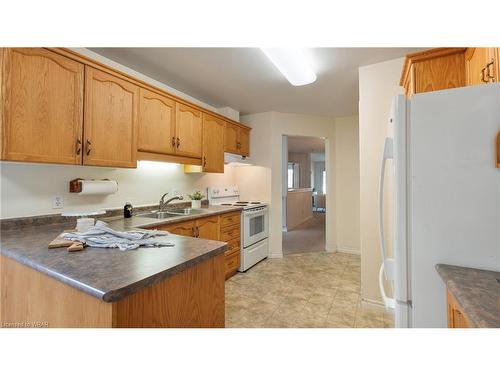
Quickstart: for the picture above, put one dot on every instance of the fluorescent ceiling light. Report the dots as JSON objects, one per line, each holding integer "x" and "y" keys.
{"x": 292, "y": 63}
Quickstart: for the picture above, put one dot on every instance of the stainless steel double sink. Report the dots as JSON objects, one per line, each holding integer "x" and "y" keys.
{"x": 174, "y": 212}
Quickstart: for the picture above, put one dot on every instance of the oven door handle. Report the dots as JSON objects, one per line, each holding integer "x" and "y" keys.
{"x": 250, "y": 213}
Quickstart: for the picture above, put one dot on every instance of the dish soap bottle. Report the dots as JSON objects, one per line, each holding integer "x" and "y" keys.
{"x": 128, "y": 210}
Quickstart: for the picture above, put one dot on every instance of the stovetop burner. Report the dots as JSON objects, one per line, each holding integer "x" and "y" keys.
{"x": 241, "y": 202}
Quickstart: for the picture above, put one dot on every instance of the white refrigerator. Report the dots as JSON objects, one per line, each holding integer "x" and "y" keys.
{"x": 446, "y": 197}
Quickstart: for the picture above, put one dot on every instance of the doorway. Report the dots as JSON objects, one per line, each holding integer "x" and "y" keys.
{"x": 304, "y": 195}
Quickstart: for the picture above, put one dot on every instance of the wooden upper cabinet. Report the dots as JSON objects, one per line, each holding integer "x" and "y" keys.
{"x": 156, "y": 123}
{"x": 41, "y": 107}
{"x": 244, "y": 141}
{"x": 231, "y": 138}
{"x": 188, "y": 131}
{"x": 110, "y": 136}
{"x": 435, "y": 69}
{"x": 481, "y": 65}
{"x": 208, "y": 228}
{"x": 213, "y": 144}
{"x": 237, "y": 139}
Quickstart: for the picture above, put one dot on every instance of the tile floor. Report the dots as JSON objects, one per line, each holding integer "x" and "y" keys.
{"x": 307, "y": 237}
{"x": 302, "y": 290}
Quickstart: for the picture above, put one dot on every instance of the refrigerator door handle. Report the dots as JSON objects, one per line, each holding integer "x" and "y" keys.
{"x": 388, "y": 154}
{"x": 389, "y": 303}
{"x": 387, "y": 266}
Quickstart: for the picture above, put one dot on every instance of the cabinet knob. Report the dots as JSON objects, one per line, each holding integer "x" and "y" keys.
{"x": 173, "y": 142}
{"x": 483, "y": 78}
{"x": 204, "y": 161}
{"x": 78, "y": 146}
{"x": 88, "y": 147}
{"x": 488, "y": 73}
{"x": 178, "y": 142}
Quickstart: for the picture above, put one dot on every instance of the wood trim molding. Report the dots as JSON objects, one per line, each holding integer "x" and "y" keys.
{"x": 426, "y": 55}
{"x": 95, "y": 64}
{"x": 142, "y": 155}
{"x": 498, "y": 151}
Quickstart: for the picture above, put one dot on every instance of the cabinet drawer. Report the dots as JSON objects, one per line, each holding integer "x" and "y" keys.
{"x": 232, "y": 264}
{"x": 230, "y": 233}
{"x": 232, "y": 247}
{"x": 229, "y": 219}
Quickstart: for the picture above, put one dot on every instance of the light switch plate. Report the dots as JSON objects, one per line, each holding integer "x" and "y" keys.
{"x": 58, "y": 202}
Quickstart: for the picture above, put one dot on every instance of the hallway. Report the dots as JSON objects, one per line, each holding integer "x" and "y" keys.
{"x": 307, "y": 237}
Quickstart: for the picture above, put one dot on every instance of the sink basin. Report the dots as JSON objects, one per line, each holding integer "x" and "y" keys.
{"x": 172, "y": 213}
{"x": 158, "y": 215}
{"x": 184, "y": 211}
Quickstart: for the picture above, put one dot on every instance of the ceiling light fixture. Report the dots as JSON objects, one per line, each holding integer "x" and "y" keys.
{"x": 292, "y": 63}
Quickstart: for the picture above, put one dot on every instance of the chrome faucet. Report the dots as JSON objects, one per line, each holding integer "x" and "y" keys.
{"x": 163, "y": 203}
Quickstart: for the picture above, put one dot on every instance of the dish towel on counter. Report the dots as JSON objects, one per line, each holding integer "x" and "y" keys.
{"x": 101, "y": 235}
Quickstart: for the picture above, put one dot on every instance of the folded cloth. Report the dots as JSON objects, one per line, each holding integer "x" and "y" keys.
{"x": 101, "y": 235}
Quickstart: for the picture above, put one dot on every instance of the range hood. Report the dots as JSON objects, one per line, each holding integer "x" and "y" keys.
{"x": 235, "y": 159}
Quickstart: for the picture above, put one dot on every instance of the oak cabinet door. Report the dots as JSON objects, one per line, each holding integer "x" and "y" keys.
{"x": 156, "y": 123}
{"x": 185, "y": 228}
{"x": 213, "y": 144}
{"x": 42, "y": 106}
{"x": 476, "y": 60}
{"x": 208, "y": 228}
{"x": 110, "y": 127}
{"x": 244, "y": 142}
{"x": 231, "y": 138}
{"x": 188, "y": 130}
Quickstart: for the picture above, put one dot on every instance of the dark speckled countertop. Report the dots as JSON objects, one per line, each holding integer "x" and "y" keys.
{"x": 477, "y": 291}
{"x": 110, "y": 274}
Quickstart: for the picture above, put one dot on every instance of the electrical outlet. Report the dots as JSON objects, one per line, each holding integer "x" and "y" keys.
{"x": 58, "y": 201}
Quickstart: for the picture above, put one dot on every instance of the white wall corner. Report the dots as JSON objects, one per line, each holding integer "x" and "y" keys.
{"x": 230, "y": 113}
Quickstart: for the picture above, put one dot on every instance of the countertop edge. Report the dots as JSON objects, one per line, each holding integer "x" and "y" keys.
{"x": 463, "y": 301}
{"x": 119, "y": 294}
{"x": 57, "y": 276}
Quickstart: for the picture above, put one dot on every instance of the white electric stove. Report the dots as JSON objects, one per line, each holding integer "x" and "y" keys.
{"x": 254, "y": 224}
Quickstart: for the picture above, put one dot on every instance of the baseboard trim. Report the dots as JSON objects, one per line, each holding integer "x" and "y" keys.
{"x": 275, "y": 256}
{"x": 348, "y": 250}
{"x": 374, "y": 304}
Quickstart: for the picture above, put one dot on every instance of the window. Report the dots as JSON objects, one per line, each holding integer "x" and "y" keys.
{"x": 324, "y": 182}
{"x": 290, "y": 175}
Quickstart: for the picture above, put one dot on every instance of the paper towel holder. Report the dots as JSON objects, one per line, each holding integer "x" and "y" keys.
{"x": 75, "y": 186}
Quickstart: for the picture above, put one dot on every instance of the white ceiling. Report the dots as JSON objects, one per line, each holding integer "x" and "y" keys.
{"x": 306, "y": 145}
{"x": 244, "y": 79}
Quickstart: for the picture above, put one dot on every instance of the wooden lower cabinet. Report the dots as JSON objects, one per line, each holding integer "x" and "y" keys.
{"x": 193, "y": 298}
{"x": 225, "y": 228}
{"x": 230, "y": 233}
{"x": 456, "y": 316}
{"x": 208, "y": 228}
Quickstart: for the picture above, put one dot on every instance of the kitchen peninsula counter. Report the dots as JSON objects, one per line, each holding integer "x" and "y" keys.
{"x": 108, "y": 283}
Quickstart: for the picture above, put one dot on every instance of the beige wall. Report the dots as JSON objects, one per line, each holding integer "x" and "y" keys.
{"x": 347, "y": 180}
{"x": 378, "y": 84}
{"x": 304, "y": 161}
{"x": 268, "y": 129}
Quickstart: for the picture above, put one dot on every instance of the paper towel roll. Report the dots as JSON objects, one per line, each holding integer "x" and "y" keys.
{"x": 96, "y": 187}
